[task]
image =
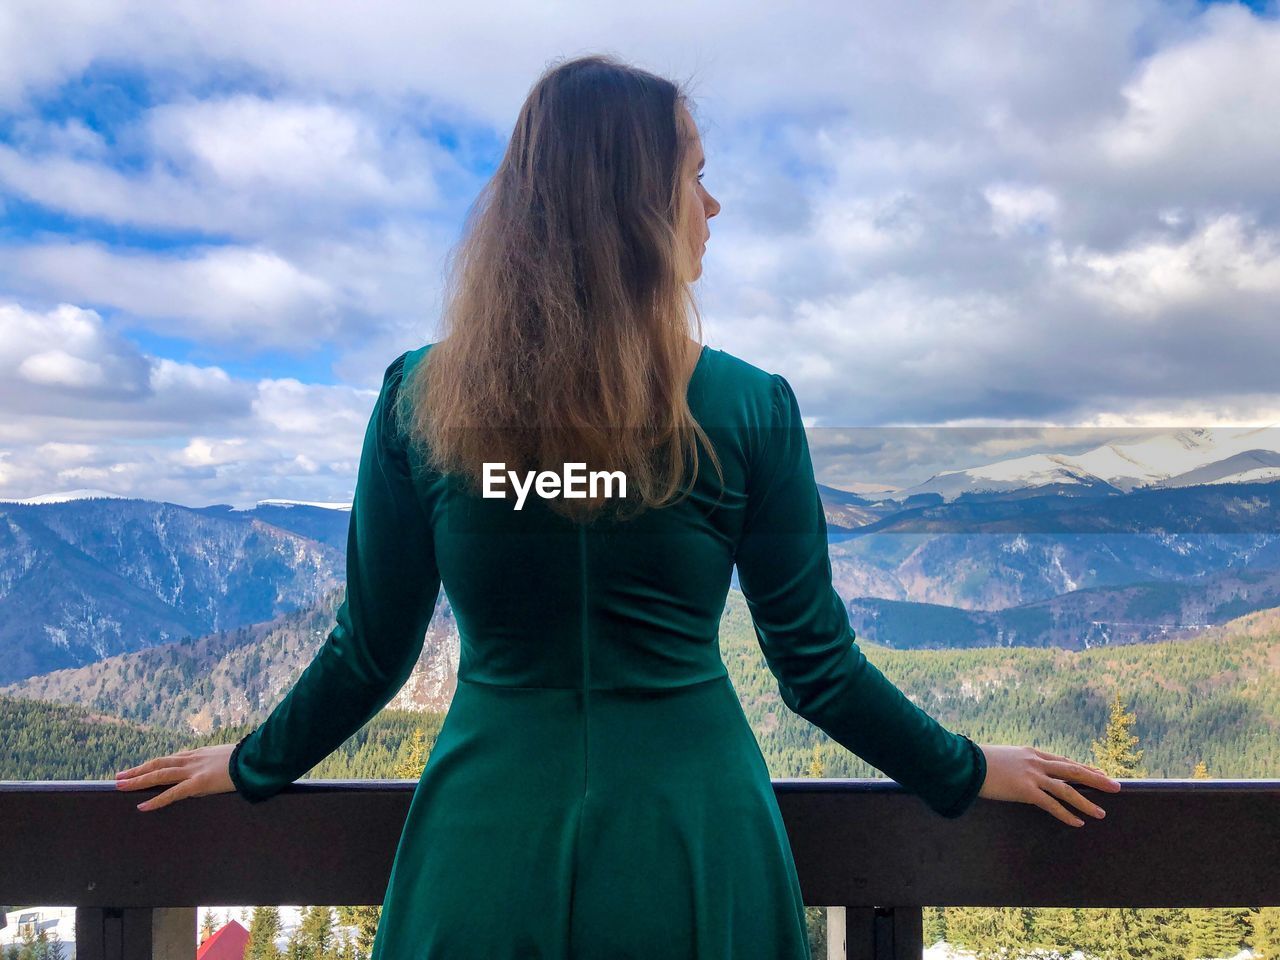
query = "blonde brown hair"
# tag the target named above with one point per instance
(568, 300)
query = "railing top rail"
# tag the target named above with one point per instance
(856, 842)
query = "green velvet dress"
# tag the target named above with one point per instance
(596, 790)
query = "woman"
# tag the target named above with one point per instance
(596, 790)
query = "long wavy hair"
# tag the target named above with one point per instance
(568, 300)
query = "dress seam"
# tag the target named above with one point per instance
(586, 655)
(586, 722)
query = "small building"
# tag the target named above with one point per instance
(228, 942)
(18, 924)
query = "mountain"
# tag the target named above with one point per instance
(1214, 697)
(83, 579)
(232, 677)
(1078, 620)
(1252, 466)
(321, 504)
(324, 523)
(1181, 458)
(83, 493)
(847, 511)
(989, 554)
(995, 571)
(1217, 508)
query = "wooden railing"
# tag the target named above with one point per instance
(868, 850)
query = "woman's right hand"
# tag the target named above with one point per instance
(1028, 775)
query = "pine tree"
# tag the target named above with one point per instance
(1114, 754)
(1239, 921)
(26, 941)
(365, 919)
(1124, 933)
(935, 925)
(991, 933)
(1266, 933)
(1057, 929)
(53, 947)
(264, 928)
(1201, 772)
(43, 945)
(1215, 932)
(347, 948)
(415, 756)
(815, 921)
(1173, 930)
(816, 766)
(209, 926)
(315, 933)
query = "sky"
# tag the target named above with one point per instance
(219, 223)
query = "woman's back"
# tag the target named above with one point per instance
(596, 790)
(541, 601)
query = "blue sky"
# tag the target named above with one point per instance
(217, 229)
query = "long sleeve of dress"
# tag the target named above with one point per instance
(803, 628)
(392, 587)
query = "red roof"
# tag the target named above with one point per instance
(227, 943)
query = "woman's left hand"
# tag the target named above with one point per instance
(193, 773)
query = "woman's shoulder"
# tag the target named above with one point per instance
(410, 358)
(757, 392)
(742, 370)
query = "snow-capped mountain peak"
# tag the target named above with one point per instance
(323, 504)
(83, 493)
(1179, 458)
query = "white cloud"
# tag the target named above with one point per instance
(67, 453)
(1197, 109)
(863, 226)
(174, 431)
(57, 368)
(1016, 207)
(204, 452)
(984, 212)
(68, 352)
(372, 293)
(219, 294)
(312, 149)
(242, 166)
(1226, 263)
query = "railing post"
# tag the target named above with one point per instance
(883, 933)
(860, 933)
(135, 933)
(904, 932)
(173, 933)
(836, 949)
(89, 941)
